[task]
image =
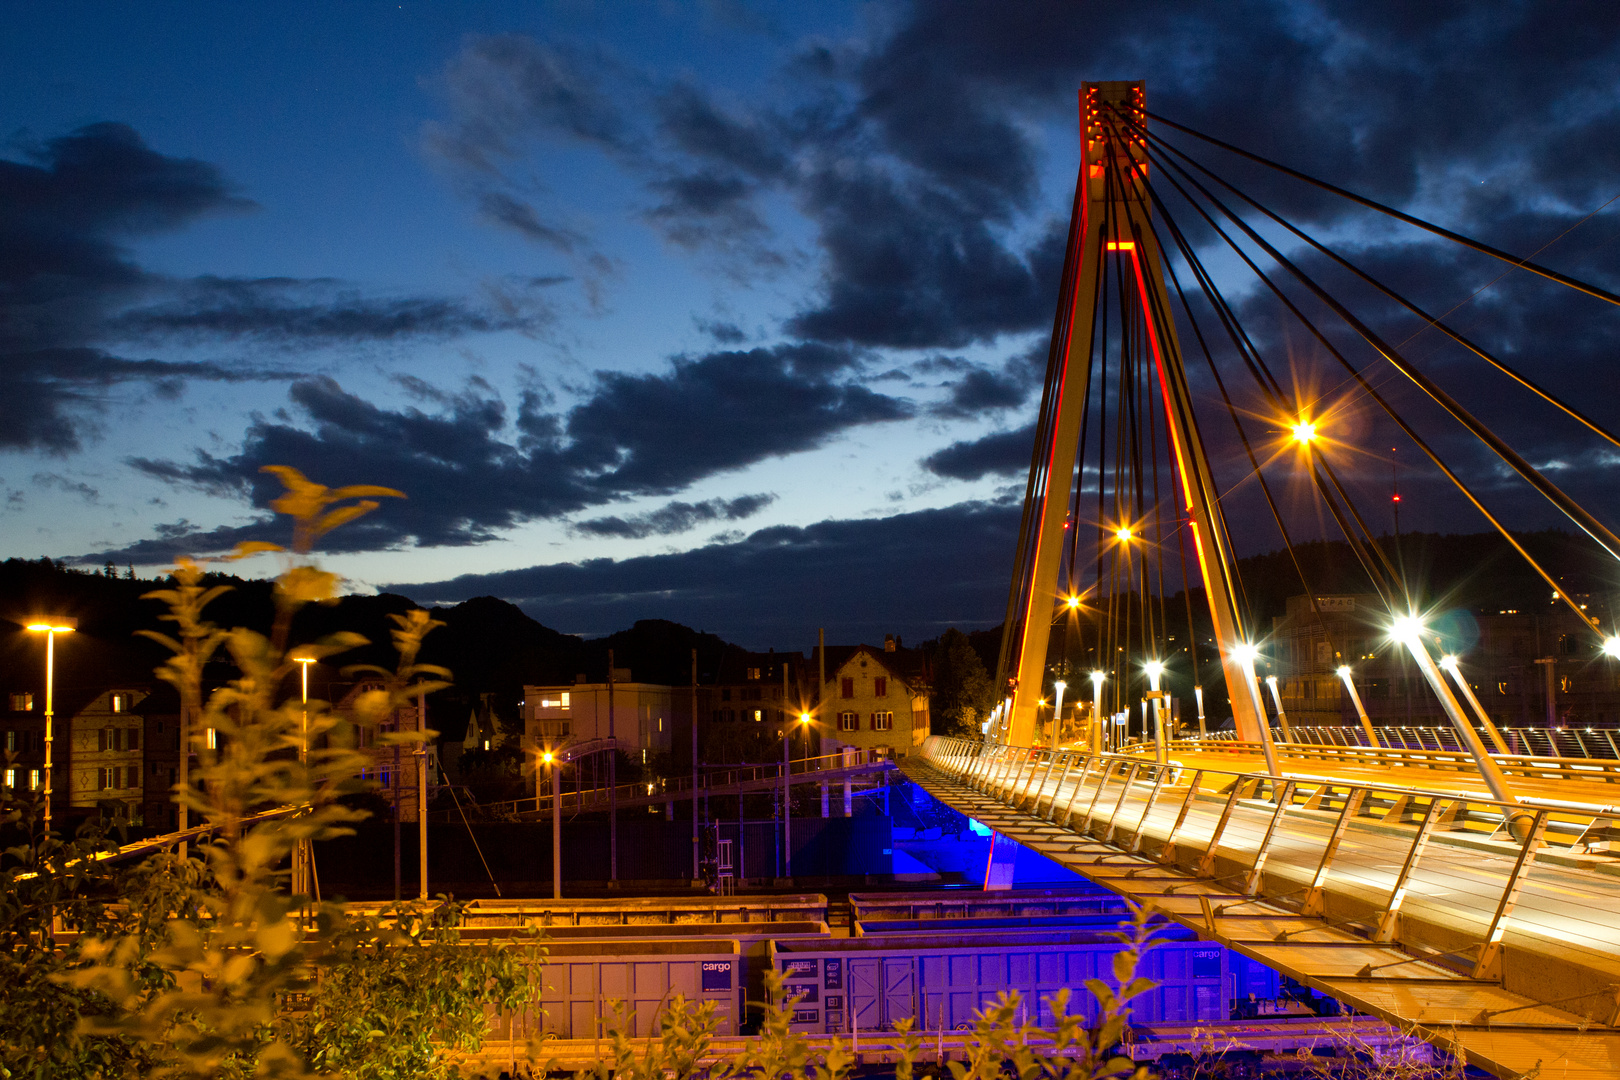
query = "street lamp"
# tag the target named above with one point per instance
(1611, 647)
(1448, 664)
(1408, 630)
(1246, 653)
(549, 760)
(1123, 534)
(1097, 734)
(302, 853)
(1304, 433)
(1057, 710)
(1361, 711)
(1155, 671)
(1282, 717)
(50, 627)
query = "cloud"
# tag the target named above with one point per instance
(287, 310)
(912, 573)
(676, 517)
(72, 300)
(1002, 453)
(471, 470)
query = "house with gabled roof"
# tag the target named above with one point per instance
(875, 700)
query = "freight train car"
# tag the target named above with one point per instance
(870, 983)
(582, 980)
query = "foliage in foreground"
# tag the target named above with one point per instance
(209, 968)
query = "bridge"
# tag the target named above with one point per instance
(1480, 925)
(1460, 881)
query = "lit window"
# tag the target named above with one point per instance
(882, 721)
(118, 703)
(11, 778)
(22, 702)
(211, 738)
(848, 721)
(759, 715)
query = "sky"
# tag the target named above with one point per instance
(729, 313)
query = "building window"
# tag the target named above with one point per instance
(22, 702)
(880, 686)
(883, 721)
(120, 703)
(211, 738)
(132, 740)
(847, 688)
(759, 715)
(11, 745)
(725, 693)
(753, 673)
(848, 721)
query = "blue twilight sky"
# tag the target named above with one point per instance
(732, 313)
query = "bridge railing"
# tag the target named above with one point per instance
(1585, 770)
(591, 799)
(1225, 826)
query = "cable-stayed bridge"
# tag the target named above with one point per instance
(1215, 363)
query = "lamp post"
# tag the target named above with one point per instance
(1155, 669)
(1361, 711)
(301, 853)
(1198, 695)
(1448, 664)
(549, 760)
(50, 628)
(1246, 654)
(1057, 711)
(1282, 716)
(1408, 630)
(1098, 735)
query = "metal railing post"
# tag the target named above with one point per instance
(1489, 964)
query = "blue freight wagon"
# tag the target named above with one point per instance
(870, 983)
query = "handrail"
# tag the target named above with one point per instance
(1017, 777)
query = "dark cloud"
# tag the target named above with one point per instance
(676, 517)
(1004, 453)
(726, 333)
(70, 295)
(467, 478)
(286, 310)
(858, 579)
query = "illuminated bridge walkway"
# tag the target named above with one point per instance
(1396, 887)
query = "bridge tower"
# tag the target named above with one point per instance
(1112, 220)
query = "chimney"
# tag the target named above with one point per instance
(890, 643)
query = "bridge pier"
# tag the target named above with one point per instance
(998, 868)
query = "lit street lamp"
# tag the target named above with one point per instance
(1361, 712)
(1245, 654)
(1282, 717)
(1097, 734)
(1448, 664)
(302, 853)
(1155, 670)
(50, 628)
(1408, 630)
(549, 760)
(1057, 710)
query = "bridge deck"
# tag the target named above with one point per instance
(1550, 996)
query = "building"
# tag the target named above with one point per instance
(1528, 668)
(874, 701)
(389, 765)
(641, 717)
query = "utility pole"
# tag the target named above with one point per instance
(421, 794)
(1548, 665)
(613, 790)
(787, 778)
(555, 767)
(696, 839)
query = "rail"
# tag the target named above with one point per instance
(713, 778)
(1568, 742)
(1459, 914)
(1582, 770)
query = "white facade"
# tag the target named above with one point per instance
(642, 715)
